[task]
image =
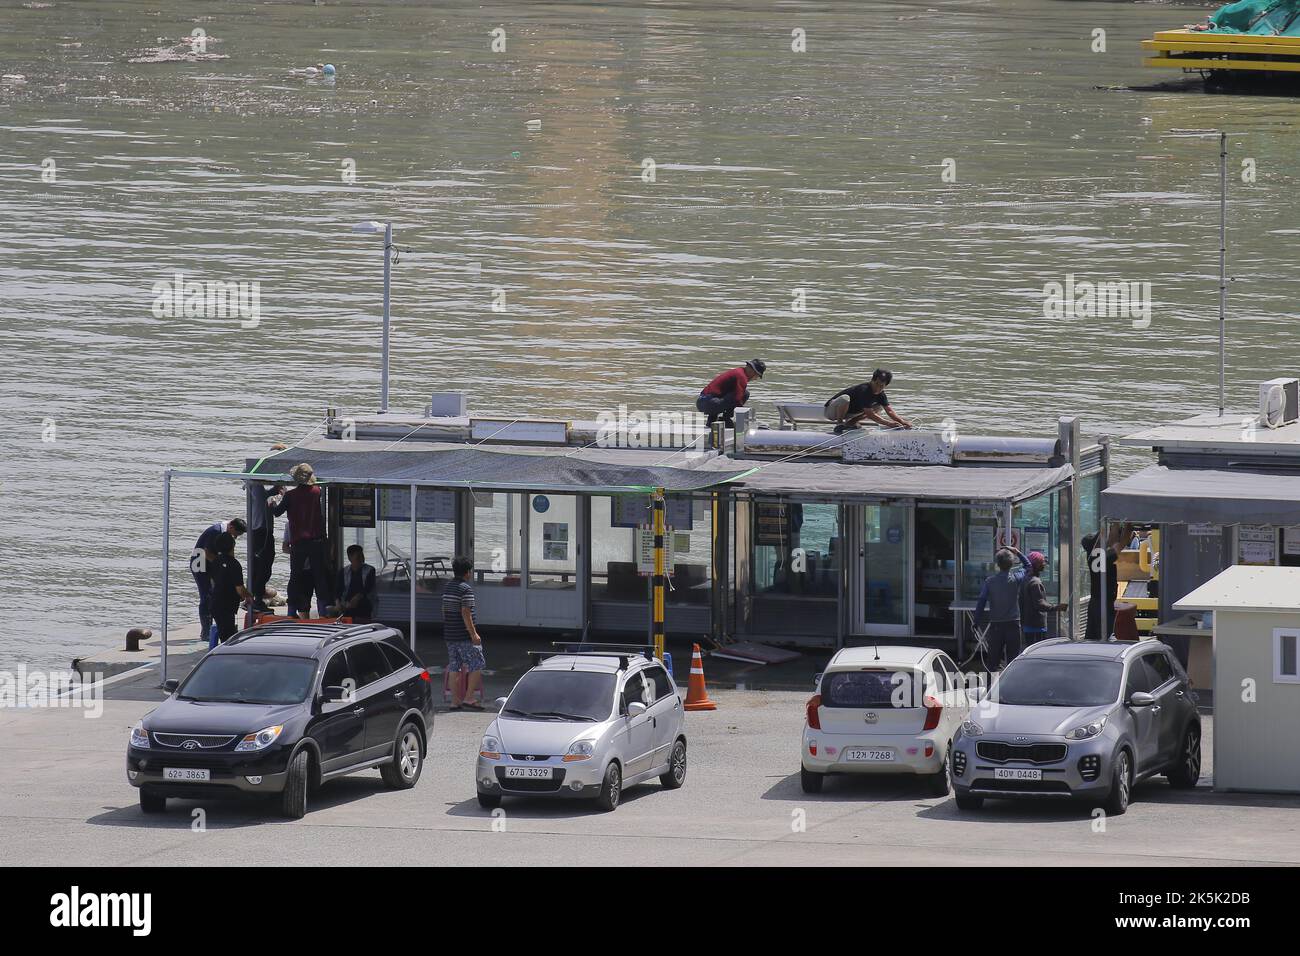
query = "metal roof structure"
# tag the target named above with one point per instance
(1222, 496)
(1246, 588)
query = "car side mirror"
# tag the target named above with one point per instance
(817, 681)
(1141, 699)
(501, 702)
(636, 709)
(170, 685)
(334, 694)
(976, 694)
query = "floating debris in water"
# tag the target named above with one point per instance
(185, 50)
(534, 124)
(14, 78)
(38, 6)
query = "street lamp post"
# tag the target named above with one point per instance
(374, 228)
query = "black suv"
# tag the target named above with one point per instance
(281, 708)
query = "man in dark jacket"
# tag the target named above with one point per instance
(357, 590)
(999, 603)
(227, 576)
(1034, 606)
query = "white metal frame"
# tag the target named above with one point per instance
(1278, 634)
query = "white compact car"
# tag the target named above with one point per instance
(586, 724)
(884, 710)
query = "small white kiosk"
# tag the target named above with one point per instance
(1256, 676)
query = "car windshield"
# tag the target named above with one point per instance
(1058, 683)
(249, 679)
(562, 695)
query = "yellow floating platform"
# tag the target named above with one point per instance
(1199, 50)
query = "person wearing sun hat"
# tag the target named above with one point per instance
(729, 391)
(1034, 606)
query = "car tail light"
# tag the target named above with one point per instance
(813, 720)
(424, 675)
(932, 711)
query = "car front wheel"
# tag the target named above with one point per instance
(969, 801)
(1187, 770)
(293, 802)
(611, 789)
(489, 801)
(152, 802)
(1121, 785)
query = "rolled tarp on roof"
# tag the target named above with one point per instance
(1164, 495)
(459, 466)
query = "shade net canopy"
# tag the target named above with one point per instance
(458, 466)
(1164, 495)
(998, 483)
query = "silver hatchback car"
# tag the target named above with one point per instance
(587, 724)
(1080, 719)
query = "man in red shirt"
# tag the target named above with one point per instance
(308, 560)
(728, 391)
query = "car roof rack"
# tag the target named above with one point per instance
(290, 628)
(624, 652)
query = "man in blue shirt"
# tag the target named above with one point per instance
(999, 603)
(205, 551)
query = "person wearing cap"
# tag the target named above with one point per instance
(1034, 606)
(199, 560)
(729, 391)
(999, 603)
(308, 558)
(860, 401)
(227, 577)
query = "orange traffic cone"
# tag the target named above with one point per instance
(697, 697)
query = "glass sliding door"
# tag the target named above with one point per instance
(887, 567)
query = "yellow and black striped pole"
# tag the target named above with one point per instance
(657, 620)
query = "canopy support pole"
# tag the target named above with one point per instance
(1101, 554)
(166, 559)
(1223, 258)
(657, 621)
(411, 576)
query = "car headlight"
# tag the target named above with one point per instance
(580, 750)
(1087, 730)
(139, 736)
(490, 747)
(260, 740)
(971, 729)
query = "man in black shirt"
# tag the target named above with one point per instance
(227, 577)
(356, 588)
(857, 402)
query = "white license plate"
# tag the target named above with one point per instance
(1016, 773)
(868, 754)
(528, 773)
(186, 773)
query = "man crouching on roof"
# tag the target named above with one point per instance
(729, 391)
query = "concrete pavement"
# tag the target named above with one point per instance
(64, 799)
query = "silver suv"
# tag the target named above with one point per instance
(586, 724)
(1080, 719)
